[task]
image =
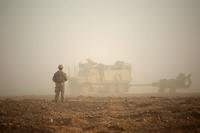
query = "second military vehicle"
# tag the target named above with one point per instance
(94, 77)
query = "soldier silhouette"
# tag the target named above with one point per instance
(59, 78)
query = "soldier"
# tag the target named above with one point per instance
(59, 78)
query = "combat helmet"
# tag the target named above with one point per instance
(60, 67)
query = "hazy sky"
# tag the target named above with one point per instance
(160, 38)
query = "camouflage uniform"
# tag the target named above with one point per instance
(59, 78)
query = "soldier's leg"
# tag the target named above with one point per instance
(62, 94)
(57, 92)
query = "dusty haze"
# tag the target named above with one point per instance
(160, 38)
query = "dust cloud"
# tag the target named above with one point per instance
(132, 66)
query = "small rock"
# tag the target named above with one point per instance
(51, 120)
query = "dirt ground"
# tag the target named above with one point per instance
(142, 114)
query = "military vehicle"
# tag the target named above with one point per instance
(94, 77)
(180, 82)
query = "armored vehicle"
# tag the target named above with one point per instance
(94, 77)
(182, 81)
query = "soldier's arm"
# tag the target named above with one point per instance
(54, 78)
